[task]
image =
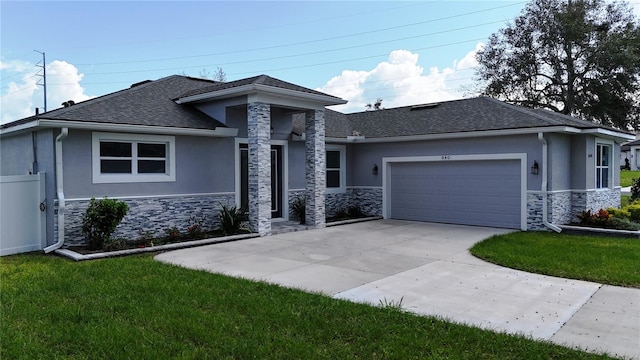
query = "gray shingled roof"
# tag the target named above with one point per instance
(465, 115)
(152, 104)
(336, 124)
(260, 79)
(149, 104)
(627, 146)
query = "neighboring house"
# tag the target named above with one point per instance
(631, 151)
(179, 147)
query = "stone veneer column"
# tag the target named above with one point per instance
(315, 171)
(259, 125)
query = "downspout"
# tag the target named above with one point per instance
(545, 197)
(60, 192)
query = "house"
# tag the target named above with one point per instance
(179, 147)
(630, 151)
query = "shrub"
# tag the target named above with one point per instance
(101, 219)
(634, 211)
(635, 190)
(298, 208)
(195, 229)
(597, 219)
(355, 211)
(341, 214)
(619, 213)
(172, 234)
(232, 220)
(623, 224)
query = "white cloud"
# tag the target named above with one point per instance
(21, 94)
(401, 81)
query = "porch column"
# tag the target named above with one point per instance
(259, 125)
(315, 170)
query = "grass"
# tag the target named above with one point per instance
(605, 260)
(626, 177)
(136, 308)
(624, 200)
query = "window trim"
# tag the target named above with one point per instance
(343, 160)
(610, 167)
(134, 139)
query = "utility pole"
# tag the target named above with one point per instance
(44, 77)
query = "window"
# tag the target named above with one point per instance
(119, 158)
(335, 168)
(603, 165)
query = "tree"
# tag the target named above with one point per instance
(218, 75)
(580, 58)
(375, 106)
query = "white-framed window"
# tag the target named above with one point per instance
(123, 158)
(604, 159)
(335, 168)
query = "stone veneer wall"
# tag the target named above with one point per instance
(258, 129)
(594, 200)
(534, 211)
(149, 214)
(368, 199)
(564, 207)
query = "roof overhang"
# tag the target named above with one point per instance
(609, 134)
(269, 91)
(140, 129)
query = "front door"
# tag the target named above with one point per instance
(276, 179)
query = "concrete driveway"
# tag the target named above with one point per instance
(427, 267)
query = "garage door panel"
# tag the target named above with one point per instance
(483, 193)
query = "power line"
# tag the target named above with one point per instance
(309, 41)
(301, 54)
(295, 67)
(16, 74)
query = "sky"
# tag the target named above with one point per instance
(404, 53)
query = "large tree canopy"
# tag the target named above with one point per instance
(580, 58)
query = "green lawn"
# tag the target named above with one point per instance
(627, 176)
(624, 200)
(606, 260)
(136, 308)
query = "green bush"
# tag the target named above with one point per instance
(635, 190)
(355, 211)
(299, 208)
(622, 224)
(173, 234)
(232, 220)
(619, 213)
(194, 230)
(634, 211)
(101, 219)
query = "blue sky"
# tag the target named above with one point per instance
(402, 52)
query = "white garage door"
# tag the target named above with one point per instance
(485, 193)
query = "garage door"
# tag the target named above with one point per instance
(485, 193)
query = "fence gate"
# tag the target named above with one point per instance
(22, 217)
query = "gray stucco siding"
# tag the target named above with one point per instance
(201, 167)
(16, 154)
(297, 165)
(364, 156)
(16, 158)
(559, 160)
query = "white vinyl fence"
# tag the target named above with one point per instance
(22, 213)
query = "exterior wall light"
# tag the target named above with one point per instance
(535, 168)
(374, 171)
